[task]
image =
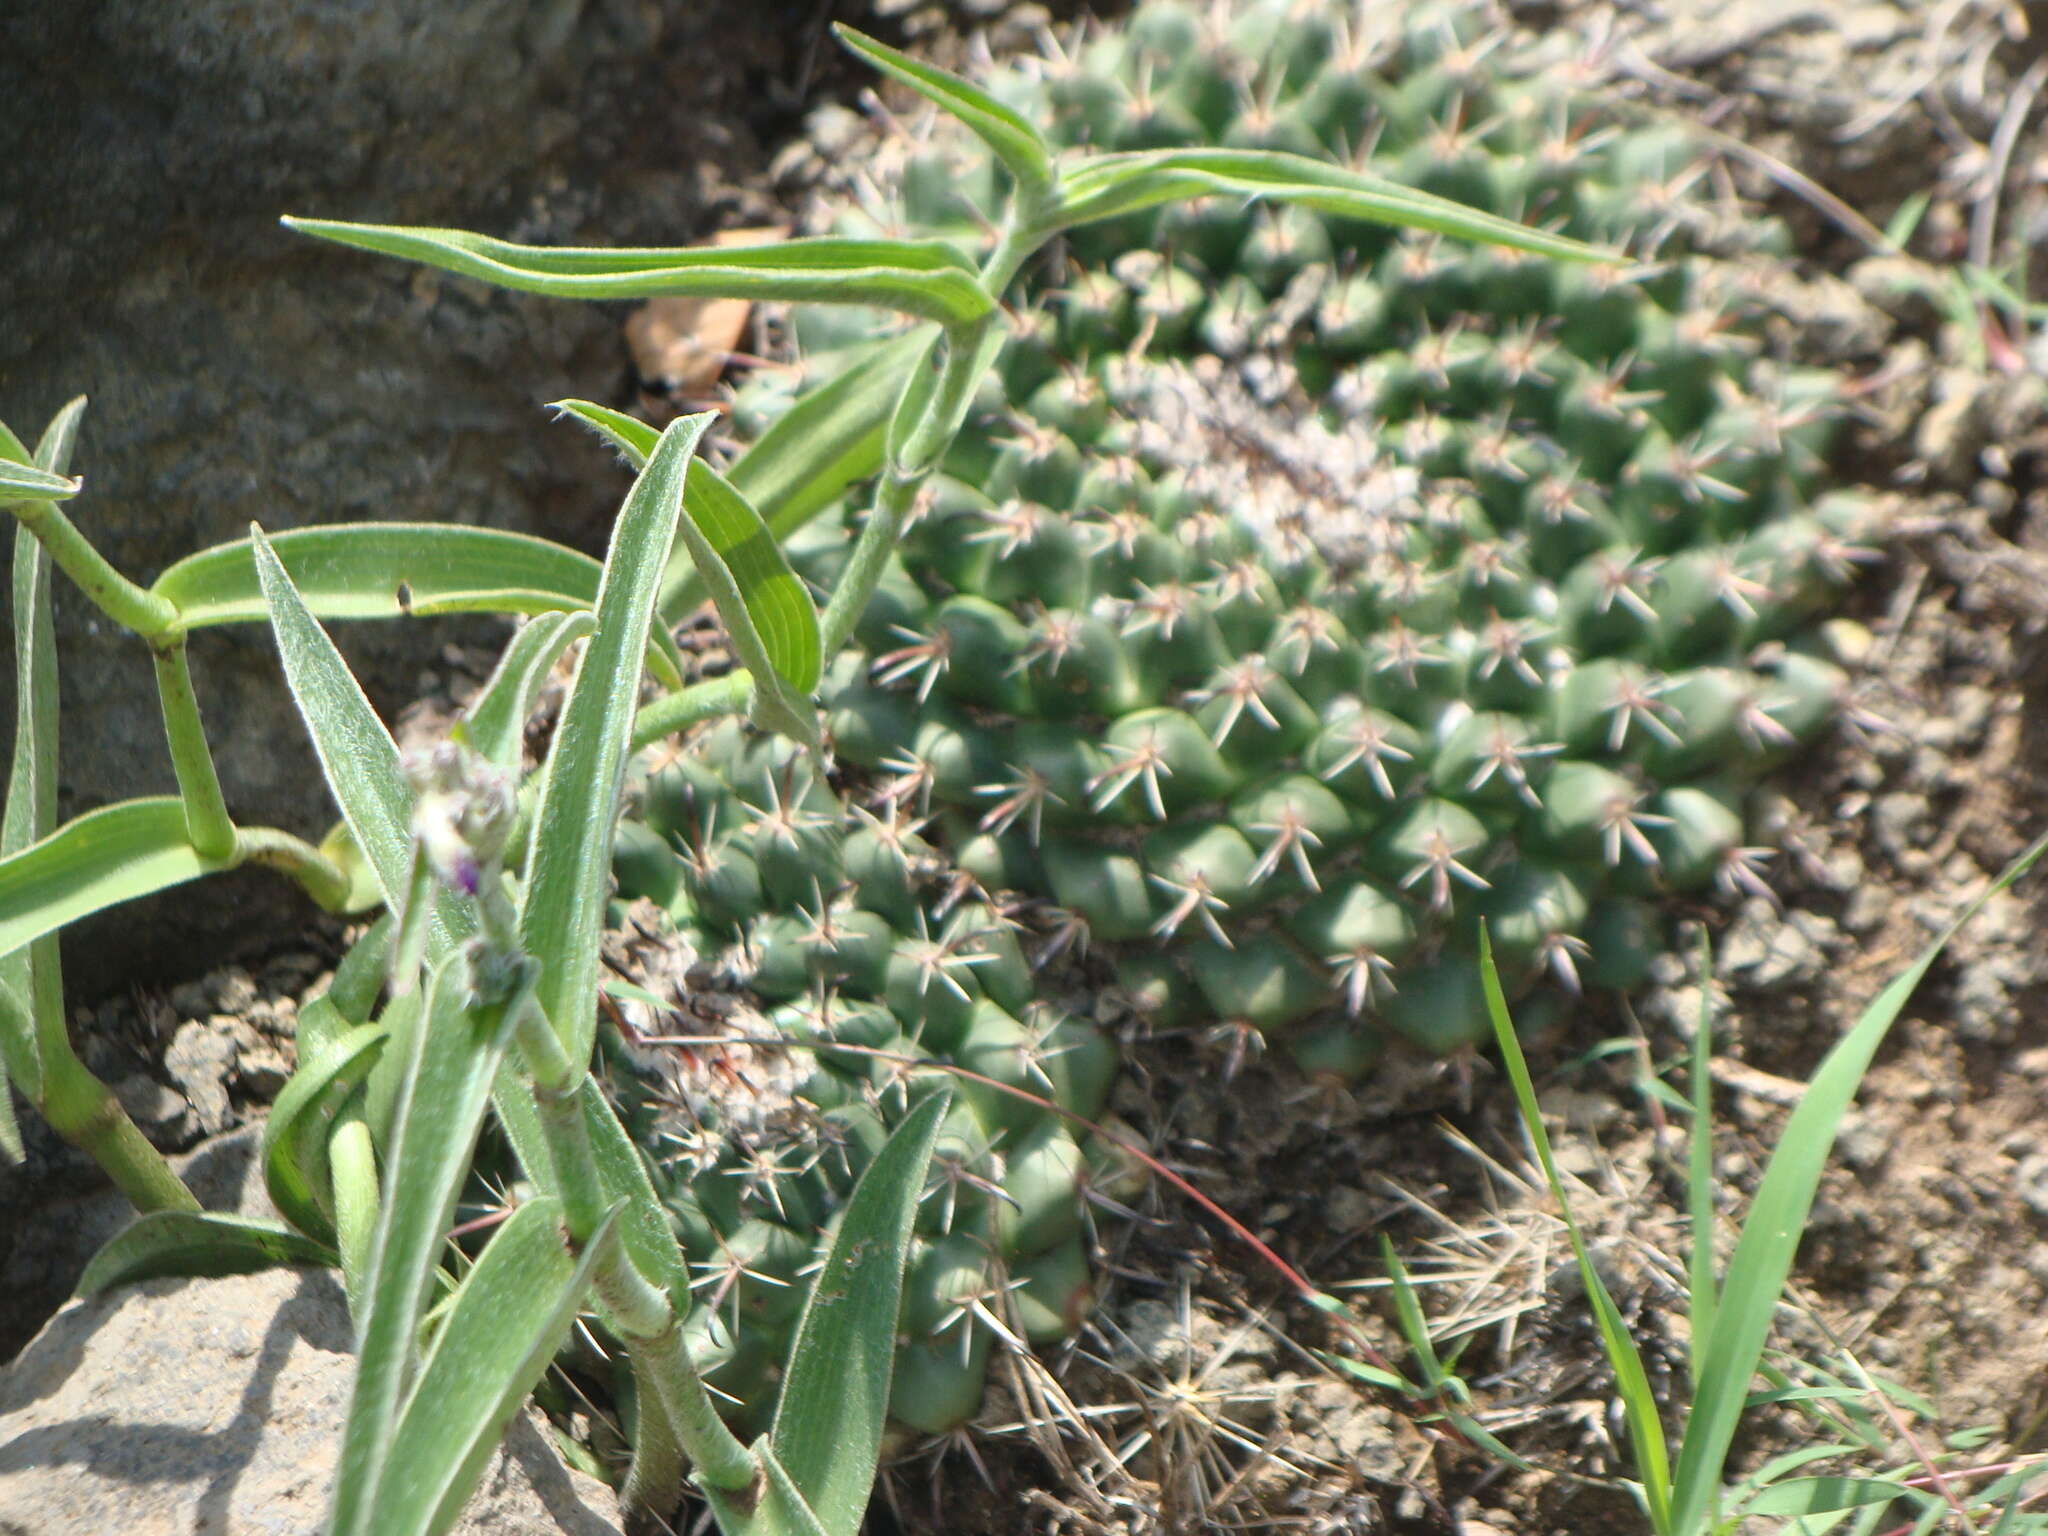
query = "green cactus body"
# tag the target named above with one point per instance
(1332, 590)
(1307, 596)
(775, 1029)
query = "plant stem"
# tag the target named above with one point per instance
(878, 537)
(642, 1313)
(113, 594)
(672, 712)
(207, 823)
(317, 875)
(654, 1482)
(83, 1110)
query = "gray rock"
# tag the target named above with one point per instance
(178, 1406)
(44, 1247)
(239, 372)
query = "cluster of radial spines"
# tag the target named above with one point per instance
(1501, 597)
(846, 935)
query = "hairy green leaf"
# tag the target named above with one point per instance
(828, 440)
(835, 1397)
(1013, 140)
(509, 1316)
(632, 438)
(382, 571)
(454, 1055)
(34, 971)
(927, 278)
(295, 1132)
(781, 1509)
(357, 755)
(25, 482)
(1109, 185)
(203, 1243)
(724, 531)
(494, 724)
(735, 555)
(98, 860)
(568, 866)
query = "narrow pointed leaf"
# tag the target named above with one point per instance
(831, 438)
(927, 278)
(835, 1397)
(509, 1316)
(1823, 1495)
(569, 863)
(621, 1172)
(362, 771)
(724, 533)
(34, 970)
(455, 1053)
(98, 860)
(25, 482)
(201, 1243)
(734, 553)
(494, 724)
(632, 438)
(357, 755)
(295, 1131)
(1115, 184)
(1012, 139)
(1757, 1269)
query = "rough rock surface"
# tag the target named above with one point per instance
(181, 1406)
(238, 372)
(44, 1248)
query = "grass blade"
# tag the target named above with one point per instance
(926, 278)
(202, 1243)
(1801, 1496)
(1126, 183)
(454, 1055)
(1013, 140)
(509, 1316)
(569, 865)
(1639, 1403)
(1701, 1277)
(1763, 1255)
(835, 1397)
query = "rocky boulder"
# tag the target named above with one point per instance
(180, 1406)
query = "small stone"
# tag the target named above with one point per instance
(149, 1103)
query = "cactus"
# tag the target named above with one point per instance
(819, 955)
(1311, 593)
(1299, 597)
